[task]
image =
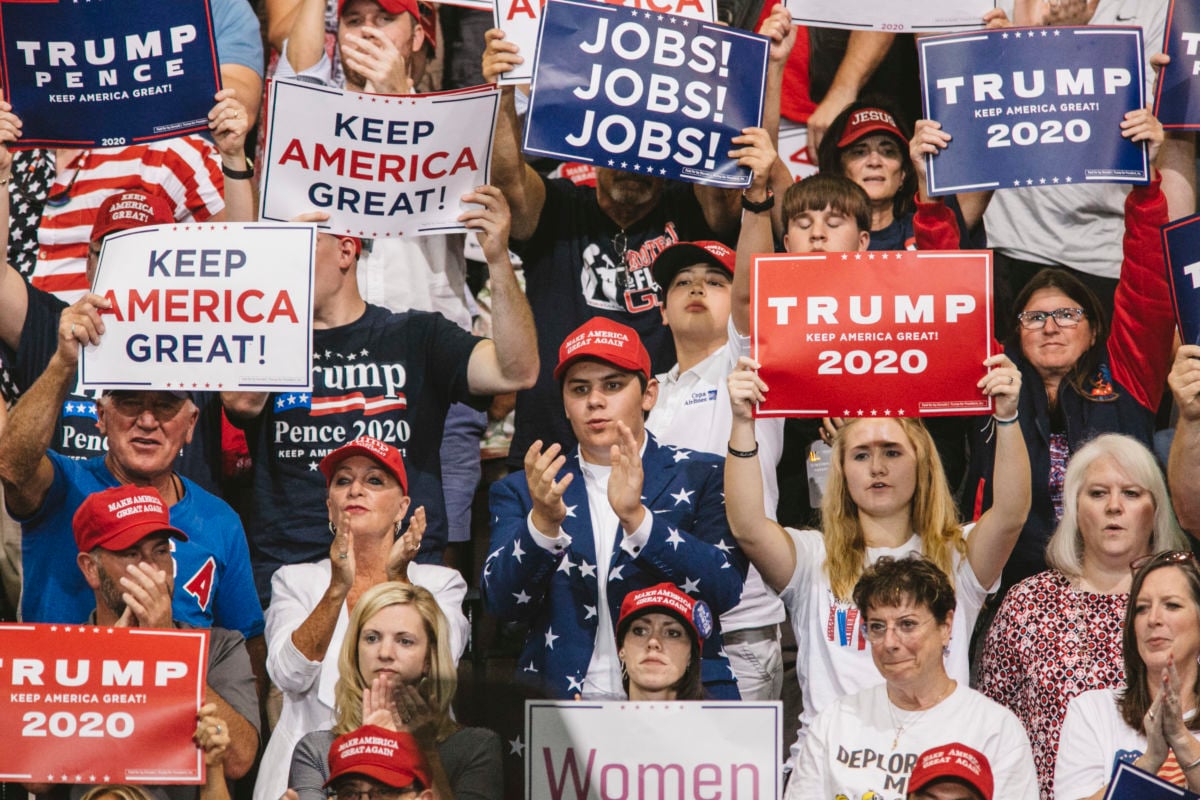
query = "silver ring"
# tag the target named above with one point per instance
(218, 729)
(1010, 380)
(72, 328)
(341, 555)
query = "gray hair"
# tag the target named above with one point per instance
(1064, 552)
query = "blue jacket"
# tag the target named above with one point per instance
(555, 594)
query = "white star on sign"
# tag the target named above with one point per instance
(691, 586)
(673, 538)
(683, 496)
(516, 748)
(550, 637)
(521, 597)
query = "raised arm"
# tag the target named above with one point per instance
(1183, 470)
(24, 468)
(229, 122)
(865, 51)
(767, 545)
(306, 36)
(509, 360)
(757, 153)
(929, 140)
(995, 535)
(520, 183)
(779, 29)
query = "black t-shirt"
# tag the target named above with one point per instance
(76, 434)
(573, 272)
(390, 376)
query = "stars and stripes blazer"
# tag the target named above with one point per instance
(556, 593)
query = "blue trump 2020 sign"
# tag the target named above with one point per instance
(108, 72)
(1034, 107)
(1177, 97)
(1181, 244)
(644, 92)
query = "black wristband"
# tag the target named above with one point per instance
(743, 453)
(238, 174)
(758, 208)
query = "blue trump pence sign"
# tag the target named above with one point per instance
(1034, 107)
(1177, 97)
(108, 72)
(644, 92)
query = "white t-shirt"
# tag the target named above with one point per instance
(692, 413)
(833, 657)
(848, 751)
(1093, 733)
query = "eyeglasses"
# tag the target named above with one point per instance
(374, 793)
(164, 407)
(1167, 557)
(905, 629)
(1063, 318)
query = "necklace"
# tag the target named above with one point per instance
(913, 720)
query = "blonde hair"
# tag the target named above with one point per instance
(438, 684)
(1064, 551)
(931, 509)
(122, 791)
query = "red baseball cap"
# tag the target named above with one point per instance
(953, 761)
(666, 598)
(869, 120)
(132, 208)
(604, 340)
(387, 456)
(120, 517)
(686, 254)
(392, 7)
(390, 757)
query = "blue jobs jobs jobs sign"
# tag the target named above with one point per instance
(643, 92)
(108, 72)
(1177, 98)
(1181, 244)
(1034, 107)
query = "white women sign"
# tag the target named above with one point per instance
(217, 307)
(580, 750)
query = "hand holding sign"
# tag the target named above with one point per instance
(1140, 125)
(928, 140)
(1054, 12)
(1185, 381)
(80, 324)
(212, 735)
(229, 123)
(10, 131)
(758, 155)
(746, 389)
(1002, 384)
(499, 56)
(491, 221)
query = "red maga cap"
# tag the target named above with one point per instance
(869, 120)
(390, 757)
(392, 7)
(387, 456)
(953, 761)
(667, 598)
(131, 208)
(604, 340)
(687, 254)
(120, 517)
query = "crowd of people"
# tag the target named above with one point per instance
(998, 606)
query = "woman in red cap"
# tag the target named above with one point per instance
(311, 603)
(397, 673)
(659, 634)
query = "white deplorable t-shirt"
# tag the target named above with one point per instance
(849, 751)
(833, 657)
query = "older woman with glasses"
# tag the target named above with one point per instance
(1083, 378)
(1058, 634)
(866, 744)
(1153, 721)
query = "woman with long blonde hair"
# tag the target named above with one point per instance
(887, 496)
(397, 672)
